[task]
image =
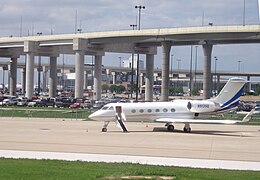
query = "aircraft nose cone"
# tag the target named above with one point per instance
(91, 116)
(94, 116)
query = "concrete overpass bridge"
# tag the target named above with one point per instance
(137, 41)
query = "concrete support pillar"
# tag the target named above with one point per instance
(141, 79)
(166, 48)
(207, 50)
(97, 77)
(85, 79)
(53, 77)
(44, 78)
(248, 84)
(29, 75)
(13, 76)
(113, 77)
(79, 74)
(218, 81)
(23, 80)
(108, 76)
(149, 78)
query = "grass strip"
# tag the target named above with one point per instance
(54, 169)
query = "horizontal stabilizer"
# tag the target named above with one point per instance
(248, 116)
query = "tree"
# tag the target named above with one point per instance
(257, 91)
(120, 89)
(113, 88)
(195, 91)
(105, 87)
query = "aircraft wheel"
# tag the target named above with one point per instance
(187, 130)
(170, 128)
(104, 130)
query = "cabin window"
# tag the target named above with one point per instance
(157, 110)
(141, 110)
(133, 111)
(165, 110)
(111, 108)
(172, 110)
(149, 110)
(105, 108)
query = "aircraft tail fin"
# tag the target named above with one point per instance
(229, 96)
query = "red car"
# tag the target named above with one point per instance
(75, 105)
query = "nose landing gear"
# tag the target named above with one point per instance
(104, 129)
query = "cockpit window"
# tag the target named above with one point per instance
(105, 108)
(111, 108)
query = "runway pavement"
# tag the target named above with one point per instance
(207, 142)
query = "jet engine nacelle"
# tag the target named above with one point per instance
(202, 106)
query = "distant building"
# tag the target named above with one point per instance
(128, 63)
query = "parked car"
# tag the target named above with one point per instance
(87, 104)
(257, 110)
(10, 102)
(74, 105)
(36, 103)
(64, 102)
(22, 102)
(98, 104)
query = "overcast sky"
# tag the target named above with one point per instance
(58, 16)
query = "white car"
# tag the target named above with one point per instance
(257, 110)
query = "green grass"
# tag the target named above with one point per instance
(44, 112)
(52, 169)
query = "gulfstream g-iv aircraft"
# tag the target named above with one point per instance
(176, 111)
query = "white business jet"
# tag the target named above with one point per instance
(176, 111)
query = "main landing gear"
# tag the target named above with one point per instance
(170, 127)
(187, 128)
(104, 129)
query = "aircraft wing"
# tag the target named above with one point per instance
(206, 121)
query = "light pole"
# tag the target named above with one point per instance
(39, 70)
(216, 59)
(239, 65)
(120, 61)
(132, 65)
(79, 29)
(139, 15)
(137, 66)
(178, 62)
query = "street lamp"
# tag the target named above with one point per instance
(132, 65)
(133, 26)
(239, 65)
(139, 15)
(137, 67)
(178, 61)
(120, 61)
